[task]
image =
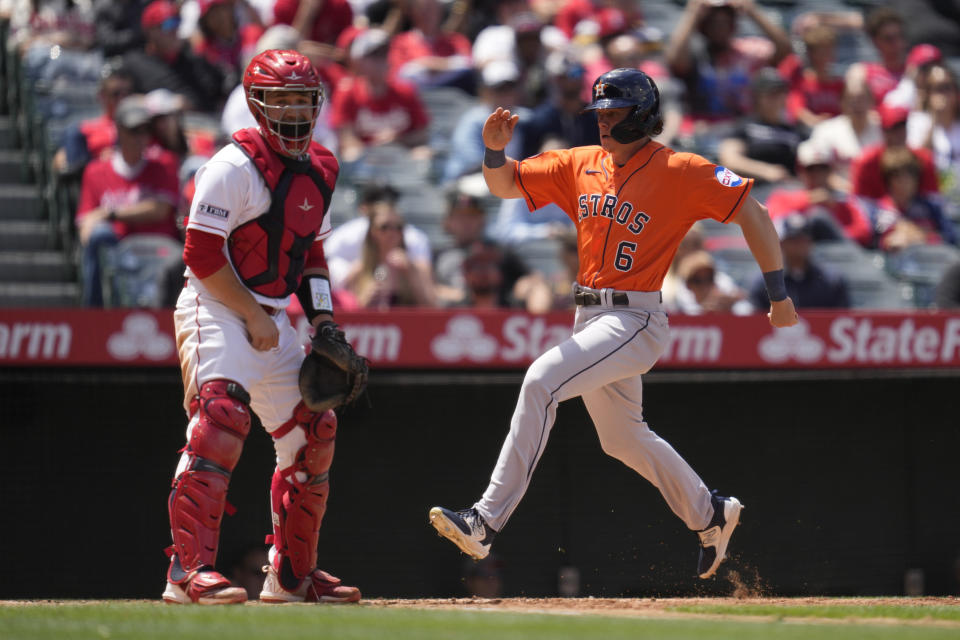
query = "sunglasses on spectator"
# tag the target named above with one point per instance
(700, 279)
(943, 87)
(142, 130)
(389, 227)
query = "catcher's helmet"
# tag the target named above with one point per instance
(629, 88)
(277, 70)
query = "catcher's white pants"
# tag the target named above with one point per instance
(212, 343)
(602, 362)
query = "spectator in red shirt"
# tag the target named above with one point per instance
(833, 215)
(574, 12)
(905, 216)
(886, 30)
(91, 138)
(867, 174)
(221, 41)
(317, 20)
(371, 108)
(122, 194)
(815, 92)
(428, 55)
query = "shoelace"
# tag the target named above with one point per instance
(473, 521)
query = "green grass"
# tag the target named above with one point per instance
(148, 621)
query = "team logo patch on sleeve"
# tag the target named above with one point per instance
(727, 178)
(210, 210)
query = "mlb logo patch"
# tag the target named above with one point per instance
(210, 210)
(727, 178)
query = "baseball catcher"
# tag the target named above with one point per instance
(253, 238)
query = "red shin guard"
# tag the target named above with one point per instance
(199, 493)
(298, 506)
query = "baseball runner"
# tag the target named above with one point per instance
(632, 200)
(253, 238)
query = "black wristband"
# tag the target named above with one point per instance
(314, 295)
(494, 158)
(776, 287)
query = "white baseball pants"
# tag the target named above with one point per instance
(602, 362)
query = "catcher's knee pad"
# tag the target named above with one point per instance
(299, 497)
(199, 495)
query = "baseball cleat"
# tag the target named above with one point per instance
(205, 587)
(466, 529)
(319, 586)
(715, 538)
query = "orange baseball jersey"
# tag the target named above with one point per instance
(630, 219)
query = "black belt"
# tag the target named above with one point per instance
(589, 298)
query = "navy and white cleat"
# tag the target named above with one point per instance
(715, 538)
(465, 528)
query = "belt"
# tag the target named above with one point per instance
(589, 298)
(586, 297)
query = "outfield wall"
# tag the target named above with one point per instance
(849, 479)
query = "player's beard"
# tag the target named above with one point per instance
(295, 130)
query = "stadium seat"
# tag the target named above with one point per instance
(922, 266)
(135, 270)
(872, 288)
(738, 263)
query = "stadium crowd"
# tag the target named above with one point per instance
(846, 115)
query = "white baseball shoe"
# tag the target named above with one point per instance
(715, 538)
(466, 529)
(205, 587)
(319, 586)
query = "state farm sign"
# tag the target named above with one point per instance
(488, 339)
(866, 341)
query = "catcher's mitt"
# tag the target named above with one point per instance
(332, 374)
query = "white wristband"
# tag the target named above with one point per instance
(320, 297)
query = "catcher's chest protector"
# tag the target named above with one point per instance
(269, 251)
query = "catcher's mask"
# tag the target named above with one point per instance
(287, 128)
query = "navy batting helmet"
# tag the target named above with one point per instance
(629, 88)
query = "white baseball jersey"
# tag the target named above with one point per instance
(230, 193)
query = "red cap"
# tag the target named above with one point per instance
(923, 54)
(891, 116)
(157, 13)
(206, 5)
(612, 22)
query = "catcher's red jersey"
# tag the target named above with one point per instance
(630, 219)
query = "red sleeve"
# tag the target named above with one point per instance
(928, 173)
(341, 109)
(865, 177)
(315, 257)
(284, 11)
(462, 45)
(401, 51)
(203, 253)
(782, 202)
(854, 221)
(796, 100)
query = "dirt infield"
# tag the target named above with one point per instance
(668, 607)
